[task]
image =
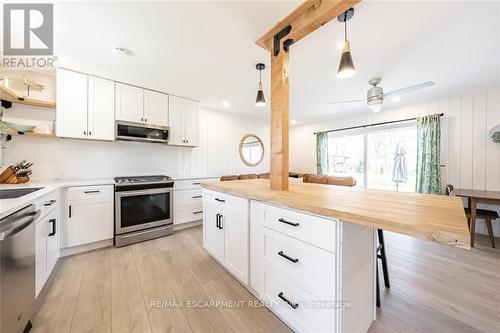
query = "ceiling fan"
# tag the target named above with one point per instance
(375, 96)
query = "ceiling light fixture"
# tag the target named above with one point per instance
(346, 66)
(123, 51)
(260, 100)
(226, 104)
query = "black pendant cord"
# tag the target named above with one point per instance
(345, 26)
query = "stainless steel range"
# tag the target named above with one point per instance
(143, 208)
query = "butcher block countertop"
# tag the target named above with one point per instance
(435, 217)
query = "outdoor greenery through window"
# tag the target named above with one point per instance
(382, 159)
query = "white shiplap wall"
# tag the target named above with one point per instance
(471, 159)
(220, 134)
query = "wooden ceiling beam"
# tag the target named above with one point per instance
(307, 17)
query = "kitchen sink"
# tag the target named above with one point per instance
(17, 193)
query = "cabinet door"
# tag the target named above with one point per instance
(236, 245)
(52, 232)
(191, 122)
(101, 109)
(213, 237)
(129, 103)
(40, 254)
(176, 121)
(155, 108)
(89, 221)
(71, 109)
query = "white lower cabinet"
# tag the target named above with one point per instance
(89, 214)
(188, 206)
(46, 239)
(316, 274)
(225, 232)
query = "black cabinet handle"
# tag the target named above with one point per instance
(69, 211)
(293, 305)
(53, 232)
(50, 203)
(196, 196)
(220, 200)
(198, 212)
(289, 223)
(217, 221)
(196, 183)
(294, 260)
(89, 192)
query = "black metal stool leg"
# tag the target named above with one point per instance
(383, 257)
(378, 289)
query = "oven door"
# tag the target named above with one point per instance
(141, 209)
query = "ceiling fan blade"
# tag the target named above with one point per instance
(414, 87)
(348, 102)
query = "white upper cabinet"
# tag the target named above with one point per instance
(101, 115)
(183, 121)
(155, 108)
(85, 106)
(71, 110)
(129, 103)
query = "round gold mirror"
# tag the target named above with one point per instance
(251, 150)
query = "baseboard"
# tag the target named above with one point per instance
(69, 251)
(178, 227)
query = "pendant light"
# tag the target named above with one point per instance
(346, 66)
(260, 100)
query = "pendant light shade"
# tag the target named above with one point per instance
(346, 67)
(260, 100)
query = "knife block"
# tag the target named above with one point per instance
(8, 176)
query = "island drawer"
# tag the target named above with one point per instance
(311, 229)
(301, 310)
(226, 201)
(310, 267)
(192, 184)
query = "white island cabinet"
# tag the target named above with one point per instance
(315, 273)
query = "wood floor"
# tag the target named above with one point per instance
(434, 289)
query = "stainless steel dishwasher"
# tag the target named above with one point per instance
(17, 270)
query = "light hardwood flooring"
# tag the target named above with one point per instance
(434, 289)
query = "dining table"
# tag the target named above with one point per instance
(475, 197)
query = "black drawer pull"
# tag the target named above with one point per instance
(293, 305)
(220, 200)
(196, 183)
(196, 196)
(198, 212)
(89, 192)
(53, 232)
(50, 203)
(220, 222)
(295, 224)
(287, 257)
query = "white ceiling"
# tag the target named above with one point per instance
(206, 51)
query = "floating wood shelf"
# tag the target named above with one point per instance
(7, 94)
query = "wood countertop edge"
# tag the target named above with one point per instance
(457, 238)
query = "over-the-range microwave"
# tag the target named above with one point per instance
(130, 131)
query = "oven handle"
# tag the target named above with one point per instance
(144, 192)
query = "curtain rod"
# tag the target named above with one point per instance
(374, 124)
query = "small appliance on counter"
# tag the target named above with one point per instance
(17, 174)
(143, 208)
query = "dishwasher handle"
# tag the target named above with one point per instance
(19, 224)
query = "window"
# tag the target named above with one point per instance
(370, 157)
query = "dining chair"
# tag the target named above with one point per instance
(485, 214)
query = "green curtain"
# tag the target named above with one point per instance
(322, 153)
(428, 154)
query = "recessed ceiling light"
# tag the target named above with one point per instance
(226, 104)
(123, 51)
(396, 99)
(293, 122)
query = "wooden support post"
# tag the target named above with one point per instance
(279, 121)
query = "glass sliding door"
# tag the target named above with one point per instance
(346, 156)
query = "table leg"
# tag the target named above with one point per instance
(472, 206)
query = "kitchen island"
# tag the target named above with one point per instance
(309, 253)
